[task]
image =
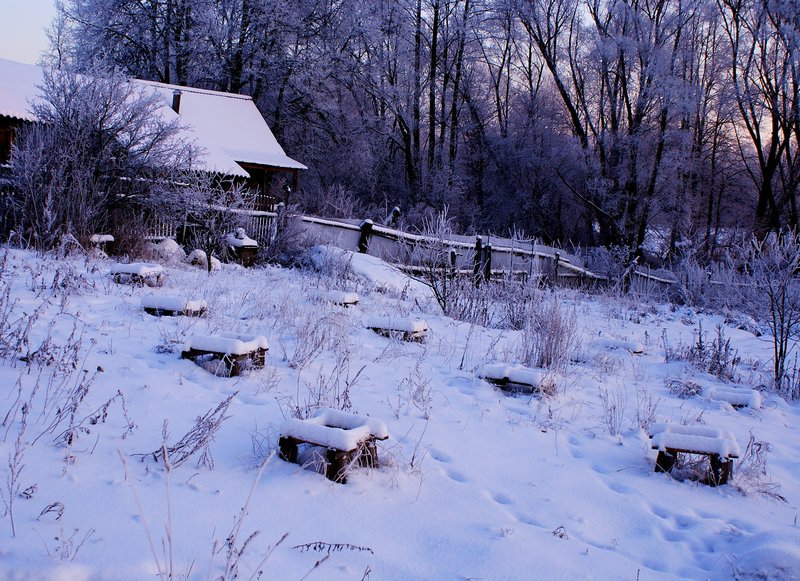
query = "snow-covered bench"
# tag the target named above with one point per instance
(236, 352)
(347, 437)
(516, 378)
(340, 298)
(407, 329)
(737, 397)
(720, 447)
(159, 305)
(143, 273)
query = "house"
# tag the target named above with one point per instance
(232, 136)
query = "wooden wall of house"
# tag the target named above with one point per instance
(267, 182)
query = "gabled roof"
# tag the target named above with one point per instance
(227, 128)
(17, 87)
(230, 121)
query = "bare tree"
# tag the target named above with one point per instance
(101, 153)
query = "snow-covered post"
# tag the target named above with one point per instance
(366, 234)
(453, 256)
(476, 267)
(392, 217)
(487, 262)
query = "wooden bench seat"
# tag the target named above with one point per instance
(236, 352)
(171, 306)
(140, 273)
(720, 447)
(737, 397)
(348, 438)
(517, 378)
(404, 328)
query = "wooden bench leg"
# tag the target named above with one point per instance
(288, 449)
(369, 454)
(337, 466)
(665, 461)
(721, 470)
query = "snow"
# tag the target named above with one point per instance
(335, 429)
(514, 373)
(736, 396)
(18, 87)
(226, 128)
(101, 238)
(703, 444)
(230, 343)
(338, 297)
(238, 239)
(473, 483)
(230, 122)
(378, 273)
(199, 257)
(173, 303)
(137, 268)
(396, 324)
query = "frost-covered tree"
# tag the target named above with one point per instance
(99, 156)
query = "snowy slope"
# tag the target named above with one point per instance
(473, 483)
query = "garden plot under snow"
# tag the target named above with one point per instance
(473, 483)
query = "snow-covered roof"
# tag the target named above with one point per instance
(227, 128)
(18, 86)
(232, 122)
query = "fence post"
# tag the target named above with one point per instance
(452, 263)
(556, 260)
(487, 262)
(392, 218)
(476, 266)
(366, 233)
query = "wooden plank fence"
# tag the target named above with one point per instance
(483, 256)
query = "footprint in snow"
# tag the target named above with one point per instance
(440, 456)
(501, 498)
(456, 476)
(620, 488)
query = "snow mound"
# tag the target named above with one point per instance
(382, 275)
(200, 258)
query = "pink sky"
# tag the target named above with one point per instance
(22, 28)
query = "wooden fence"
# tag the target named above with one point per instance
(483, 256)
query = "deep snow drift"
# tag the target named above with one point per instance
(473, 483)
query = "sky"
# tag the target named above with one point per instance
(22, 28)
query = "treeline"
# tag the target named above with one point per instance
(583, 121)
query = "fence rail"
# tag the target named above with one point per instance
(486, 256)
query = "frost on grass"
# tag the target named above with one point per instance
(198, 439)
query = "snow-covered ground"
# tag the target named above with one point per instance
(473, 483)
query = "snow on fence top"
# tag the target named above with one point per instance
(335, 429)
(736, 396)
(230, 343)
(137, 268)
(172, 303)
